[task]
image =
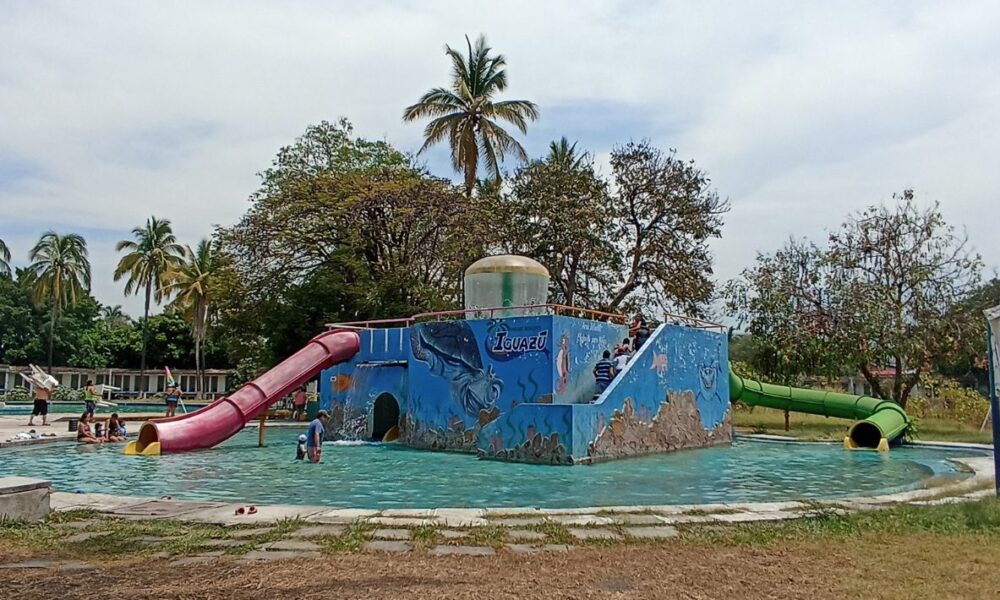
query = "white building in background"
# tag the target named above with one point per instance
(125, 379)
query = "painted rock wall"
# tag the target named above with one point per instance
(672, 395)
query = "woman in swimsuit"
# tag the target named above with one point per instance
(114, 433)
(83, 433)
(173, 397)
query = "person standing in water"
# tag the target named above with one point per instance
(315, 435)
(173, 393)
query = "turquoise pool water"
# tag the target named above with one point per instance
(391, 476)
(77, 408)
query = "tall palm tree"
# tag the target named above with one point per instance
(467, 115)
(563, 153)
(114, 316)
(60, 271)
(4, 260)
(151, 257)
(193, 281)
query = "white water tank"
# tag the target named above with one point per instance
(506, 280)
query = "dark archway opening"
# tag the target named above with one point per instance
(385, 416)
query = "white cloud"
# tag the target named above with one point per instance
(800, 113)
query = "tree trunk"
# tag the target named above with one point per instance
(873, 381)
(52, 334)
(145, 329)
(197, 366)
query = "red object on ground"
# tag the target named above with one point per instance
(220, 420)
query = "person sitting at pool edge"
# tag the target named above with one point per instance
(604, 371)
(84, 434)
(41, 406)
(173, 393)
(116, 429)
(314, 436)
(300, 449)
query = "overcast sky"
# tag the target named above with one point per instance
(113, 111)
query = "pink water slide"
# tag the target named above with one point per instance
(220, 420)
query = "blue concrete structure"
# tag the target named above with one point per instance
(522, 389)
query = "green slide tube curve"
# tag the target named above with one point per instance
(877, 422)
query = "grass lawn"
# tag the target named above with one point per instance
(949, 551)
(812, 427)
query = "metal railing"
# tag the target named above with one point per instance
(492, 312)
(692, 322)
(555, 309)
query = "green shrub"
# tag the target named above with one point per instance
(946, 399)
(67, 394)
(18, 394)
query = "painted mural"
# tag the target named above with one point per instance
(671, 395)
(677, 425)
(521, 389)
(464, 375)
(348, 390)
(581, 342)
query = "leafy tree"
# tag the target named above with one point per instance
(342, 228)
(170, 343)
(147, 266)
(639, 240)
(61, 273)
(665, 212)
(466, 115)
(18, 331)
(557, 213)
(4, 260)
(193, 282)
(882, 291)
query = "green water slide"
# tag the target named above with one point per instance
(877, 422)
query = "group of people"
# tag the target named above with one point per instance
(608, 368)
(114, 430)
(310, 443)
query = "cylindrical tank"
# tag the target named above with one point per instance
(506, 280)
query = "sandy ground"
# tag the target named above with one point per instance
(905, 567)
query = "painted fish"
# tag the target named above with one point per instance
(341, 382)
(450, 350)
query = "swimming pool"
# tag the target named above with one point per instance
(24, 408)
(392, 476)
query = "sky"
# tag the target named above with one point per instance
(799, 112)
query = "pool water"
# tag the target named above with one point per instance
(22, 408)
(392, 476)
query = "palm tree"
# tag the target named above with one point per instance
(4, 260)
(563, 153)
(193, 282)
(467, 115)
(60, 272)
(148, 265)
(113, 316)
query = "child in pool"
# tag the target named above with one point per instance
(300, 450)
